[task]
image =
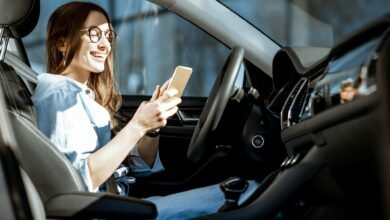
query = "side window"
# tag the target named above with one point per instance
(151, 42)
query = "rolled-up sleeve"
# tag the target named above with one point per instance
(81, 165)
(140, 168)
(63, 120)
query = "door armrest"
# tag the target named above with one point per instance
(83, 205)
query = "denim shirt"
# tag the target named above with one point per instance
(70, 117)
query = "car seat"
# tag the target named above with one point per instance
(59, 185)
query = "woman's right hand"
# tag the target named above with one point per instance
(152, 115)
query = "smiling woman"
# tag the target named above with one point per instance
(76, 102)
(93, 51)
(150, 43)
(70, 52)
(305, 122)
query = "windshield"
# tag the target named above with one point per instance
(320, 23)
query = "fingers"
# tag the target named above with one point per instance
(166, 84)
(161, 111)
(162, 118)
(156, 93)
(154, 114)
(166, 114)
(167, 104)
(168, 94)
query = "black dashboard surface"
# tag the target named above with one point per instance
(347, 74)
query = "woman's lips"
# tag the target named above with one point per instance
(99, 56)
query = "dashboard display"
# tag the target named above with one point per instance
(351, 75)
(345, 79)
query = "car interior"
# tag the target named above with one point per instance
(310, 124)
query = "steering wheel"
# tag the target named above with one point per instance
(215, 104)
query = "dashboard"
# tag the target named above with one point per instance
(330, 108)
(345, 74)
(344, 79)
(312, 101)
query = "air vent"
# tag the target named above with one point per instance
(292, 108)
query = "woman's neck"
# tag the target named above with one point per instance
(79, 76)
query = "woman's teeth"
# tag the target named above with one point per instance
(97, 55)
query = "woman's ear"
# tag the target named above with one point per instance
(61, 45)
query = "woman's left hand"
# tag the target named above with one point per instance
(158, 91)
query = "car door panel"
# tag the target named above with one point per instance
(176, 136)
(173, 144)
(181, 124)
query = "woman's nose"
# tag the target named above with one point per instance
(104, 43)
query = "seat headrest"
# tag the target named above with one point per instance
(19, 17)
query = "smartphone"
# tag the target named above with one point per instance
(180, 78)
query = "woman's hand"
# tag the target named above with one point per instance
(158, 91)
(154, 114)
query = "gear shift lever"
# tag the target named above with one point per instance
(232, 188)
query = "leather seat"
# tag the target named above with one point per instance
(58, 184)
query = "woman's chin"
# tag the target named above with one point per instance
(98, 69)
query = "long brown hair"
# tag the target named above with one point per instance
(65, 24)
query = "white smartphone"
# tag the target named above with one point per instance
(180, 78)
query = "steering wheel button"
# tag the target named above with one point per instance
(258, 141)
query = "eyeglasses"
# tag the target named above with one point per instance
(95, 34)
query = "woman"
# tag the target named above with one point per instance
(76, 103)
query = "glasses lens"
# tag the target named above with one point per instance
(111, 36)
(95, 34)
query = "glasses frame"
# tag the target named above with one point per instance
(101, 33)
